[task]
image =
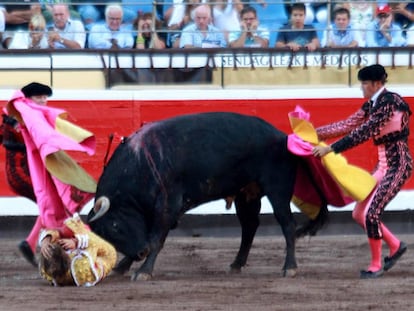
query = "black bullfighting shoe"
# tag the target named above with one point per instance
(27, 253)
(366, 274)
(390, 261)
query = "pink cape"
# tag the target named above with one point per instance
(327, 180)
(61, 186)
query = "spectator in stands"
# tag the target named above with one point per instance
(383, 31)
(17, 17)
(251, 33)
(362, 14)
(297, 35)
(404, 17)
(47, 9)
(65, 33)
(341, 33)
(2, 24)
(177, 18)
(226, 16)
(147, 35)
(34, 37)
(202, 33)
(111, 34)
(316, 11)
(132, 8)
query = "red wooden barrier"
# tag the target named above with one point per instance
(103, 117)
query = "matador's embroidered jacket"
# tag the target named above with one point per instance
(89, 265)
(387, 122)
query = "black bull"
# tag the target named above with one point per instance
(172, 166)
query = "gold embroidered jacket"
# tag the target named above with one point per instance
(88, 265)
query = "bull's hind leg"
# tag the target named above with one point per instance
(248, 214)
(281, 209)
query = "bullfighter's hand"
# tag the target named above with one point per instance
(83, 240)
(67, 243)
(320, 151)
(46, 247)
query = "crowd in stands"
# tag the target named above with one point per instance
(103, 24)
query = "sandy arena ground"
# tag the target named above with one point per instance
(191, 273)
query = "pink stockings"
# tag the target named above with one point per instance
(359, 214)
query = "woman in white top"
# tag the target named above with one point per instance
(34, 38)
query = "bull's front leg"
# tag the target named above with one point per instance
(157, 239)
(166, 213)
(144, 273)
(123, 265)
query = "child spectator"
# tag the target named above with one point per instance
(297, 35)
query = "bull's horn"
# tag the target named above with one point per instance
(100, 208)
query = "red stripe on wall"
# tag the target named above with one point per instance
(123, 117)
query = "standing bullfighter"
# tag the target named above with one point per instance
(385, 118)
(59, 185)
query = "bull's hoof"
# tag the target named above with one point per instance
(141, 276)
(235, 270)
(290, 273)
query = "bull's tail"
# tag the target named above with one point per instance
(312, 226)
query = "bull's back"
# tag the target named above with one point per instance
(212, 137)
(198, 147)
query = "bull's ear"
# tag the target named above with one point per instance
(100, 208)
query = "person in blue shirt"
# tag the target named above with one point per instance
(383, 32)
(202, 33)
(403, 13)
(251, 33)
(111, 34)
(297, 35)
(340, 33)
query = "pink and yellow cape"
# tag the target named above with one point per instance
(61, 186)
(331, 176)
